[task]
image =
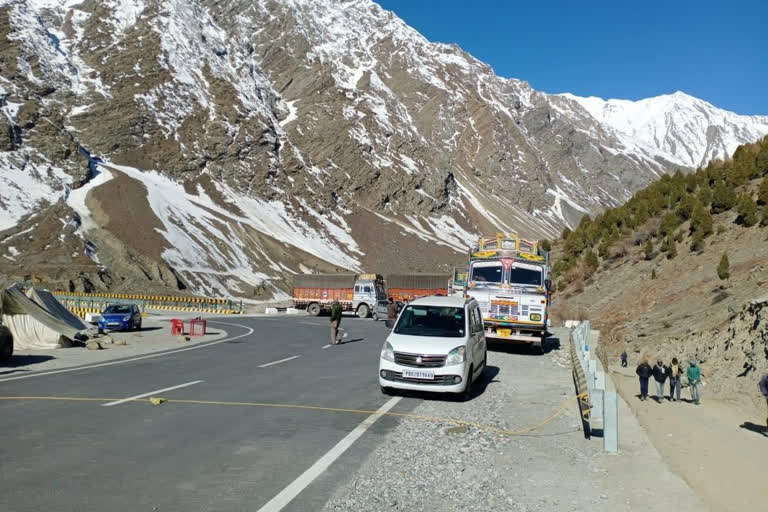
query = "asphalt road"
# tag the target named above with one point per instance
(82, 455)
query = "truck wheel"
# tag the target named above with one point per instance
(363, 311)
(6, 344)
(313, 309)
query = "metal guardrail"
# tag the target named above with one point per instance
(596, 403)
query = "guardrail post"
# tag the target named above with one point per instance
(610, 422)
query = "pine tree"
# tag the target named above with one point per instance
(747, 211)
(764, 220)
(762, 193)
(697, 243)
(649, 250)
(701, 222)
(546, 245)
(704, 196)
(723, 269)
(671, 248)
(566, 233)
(653, 274)
(723, 198)
(668, 224)
(685, 209)
(590, 260)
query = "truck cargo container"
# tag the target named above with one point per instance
(355, 292)
(406, 287)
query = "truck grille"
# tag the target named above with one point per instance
(427, 361)
(504, 310)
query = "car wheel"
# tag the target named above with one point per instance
(466, 395)
(314, 309)
(6, 344)
(363, 311)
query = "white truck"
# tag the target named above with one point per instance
(510, 278)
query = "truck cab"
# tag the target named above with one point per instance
(368, 291)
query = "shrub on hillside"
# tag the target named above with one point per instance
(671, 248)
(764, 220)
(747, 211)
(723, 197)
(704, 196)
(648, 250)
(762, 192)
(724, 268)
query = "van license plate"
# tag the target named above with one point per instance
(419, 374)
(504, 333)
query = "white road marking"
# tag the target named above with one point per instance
(328, 345)
(277, 362)
(311, 323)
(123, 361)
(285, 496)
(144, 395)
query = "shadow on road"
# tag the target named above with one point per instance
(523, 349)
(19, 360)
(752, 427)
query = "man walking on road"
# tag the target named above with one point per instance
(644, 371)
(335, 322)
(694, 378)
(624, 359)
(391, 309)
(659, 375)
(764, 391)
(674, 372)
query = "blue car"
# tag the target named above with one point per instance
(119, 317)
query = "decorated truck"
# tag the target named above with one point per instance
(406, 287)
(510, 278)
(458, 282)
(355, 292)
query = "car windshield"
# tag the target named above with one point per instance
(117, 310)
(524, 276)
(487, 273)
(446, 322)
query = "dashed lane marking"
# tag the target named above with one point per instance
(278, 362)
(157, 391)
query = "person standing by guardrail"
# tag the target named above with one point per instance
(675, 373)
(624, 359)
(644, 371)
(659, 375)
(694, 378)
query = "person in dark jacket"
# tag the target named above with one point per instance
(659, 375)
(391, 309)
(624, 359)
(675, 373)
(335, 322)
(764, 391)
(694, 379)
(644, 371)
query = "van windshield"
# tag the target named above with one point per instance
(445, 322)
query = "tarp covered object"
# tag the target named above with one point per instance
(421, 281)
(38, 322)
(324, 280)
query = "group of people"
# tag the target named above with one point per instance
(674, 373)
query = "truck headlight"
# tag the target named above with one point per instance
(387, 352)
(535, 317)
(456, 356)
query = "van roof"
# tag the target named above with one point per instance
(439, 300)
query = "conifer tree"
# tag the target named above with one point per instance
(764, 219)
(701, 222)
(671, 248)
(704, 196)
(668, 224)
(648, 250)
(697, 243)
(653, 274)
(762, 192)
(590, 260)
(723, 197)
(723, 269)
(747, 211)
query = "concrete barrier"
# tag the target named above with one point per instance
(270, 311)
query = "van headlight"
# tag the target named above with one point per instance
(456, 356)
(387, 352)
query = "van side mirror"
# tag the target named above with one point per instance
(390, 323)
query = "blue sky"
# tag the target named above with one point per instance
(717, 51)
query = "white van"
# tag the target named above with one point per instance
(437, 344)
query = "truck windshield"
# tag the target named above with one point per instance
(445, 322)
(486, 273)
(524, 276)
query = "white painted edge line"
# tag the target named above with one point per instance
(143, 395)
(326, 346)
(311, 323)
(287, 495)
(148, 356)
(277, 362)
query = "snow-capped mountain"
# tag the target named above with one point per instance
(221, 146)
(678, 128)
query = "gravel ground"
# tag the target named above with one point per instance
(154, 337)
(424, 465)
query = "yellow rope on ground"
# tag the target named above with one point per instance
(435, 419)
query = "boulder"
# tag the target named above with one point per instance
(93, 345)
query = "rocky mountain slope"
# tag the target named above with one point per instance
(219, 147)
